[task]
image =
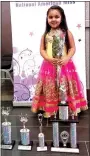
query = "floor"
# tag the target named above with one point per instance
(33, 125)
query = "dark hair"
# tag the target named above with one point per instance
(63, 25)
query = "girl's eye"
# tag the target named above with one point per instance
(56, 16)
(50, 17)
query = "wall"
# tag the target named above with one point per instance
(6, 35)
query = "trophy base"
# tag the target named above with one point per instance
(25, 147)
(42, 148)
(67, 149)
(8, 146)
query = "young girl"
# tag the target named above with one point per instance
(57, 48)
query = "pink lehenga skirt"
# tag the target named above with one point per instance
(47, 95)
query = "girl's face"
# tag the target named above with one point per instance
(54, 18)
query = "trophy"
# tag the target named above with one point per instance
(64, 116)
(63, 106)
(25, 143)
(42, 145)
(7, 142)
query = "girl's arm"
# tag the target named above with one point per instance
(71, 51)
(42, 49)
(72, 48)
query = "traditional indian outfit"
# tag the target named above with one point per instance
(47, 92)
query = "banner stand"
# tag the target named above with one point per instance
(26, 37)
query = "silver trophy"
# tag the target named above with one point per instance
(55, 132)
(42, 146)
(64, 137)
(25, 143)
(7, 142)
(63, 107)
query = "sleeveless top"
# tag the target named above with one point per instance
(55, 43)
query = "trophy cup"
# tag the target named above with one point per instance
(25, 143)
(63, 106)
(7, 142)
(42, 145)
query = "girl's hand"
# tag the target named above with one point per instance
(52, 60)
(64, 60)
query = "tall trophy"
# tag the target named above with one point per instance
(68, 143)
(25, 143)
(42, 146)
(7, 142)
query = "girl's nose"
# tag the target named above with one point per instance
(53, 19)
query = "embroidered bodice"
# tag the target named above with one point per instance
(55, 43)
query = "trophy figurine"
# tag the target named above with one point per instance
(64, 137)
(25, 143)
(63, 106)
(42, 145)
(7, 142)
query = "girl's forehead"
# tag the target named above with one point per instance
(54, 12)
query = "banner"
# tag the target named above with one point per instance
(28, 24)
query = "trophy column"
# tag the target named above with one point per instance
(7, 142)
(42, 146)
(55, 126)
(73, 133)
(25, 143)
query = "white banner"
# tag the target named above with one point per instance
(28, 24)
